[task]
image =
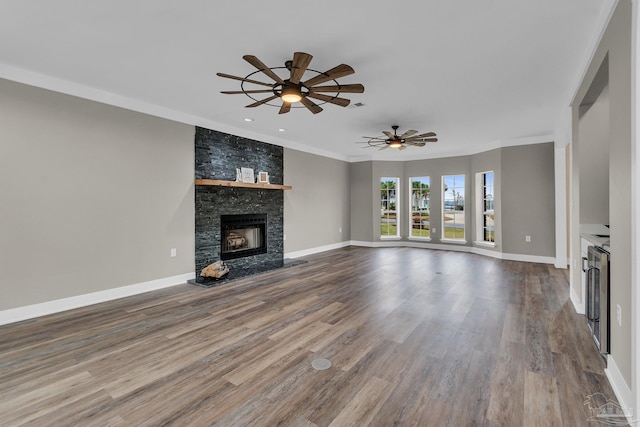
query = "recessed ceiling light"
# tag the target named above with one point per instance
(282, 130)
(248, 119)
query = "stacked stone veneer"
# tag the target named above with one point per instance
(217, 155)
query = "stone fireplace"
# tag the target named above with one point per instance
(217, 155)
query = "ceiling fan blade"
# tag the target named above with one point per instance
(389, 134)
(300, 63)
(408, 133)
(236, 92)
(312, 106)
(351, 88)
(423, 135)
(408, 141)
(383, 148)
(286, 107)
(260, 66)
(264, 101)
(421, 140)
(402, 147)
(229, 76)
(334, 73)
(415, 144)
(330, 99)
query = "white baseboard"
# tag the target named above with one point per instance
(578, 304)
(305, 252)
(457, 248)
(18, 314)
(410, 244)
(621, 389)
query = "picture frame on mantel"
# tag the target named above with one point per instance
(263, 177)
(247, 175)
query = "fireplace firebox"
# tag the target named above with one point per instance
(243, 235)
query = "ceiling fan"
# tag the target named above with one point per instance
(393, 140)
(289, 86)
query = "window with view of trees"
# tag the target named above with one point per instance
(420, 208)
(389, 207)
(453, 207)
(486, 215)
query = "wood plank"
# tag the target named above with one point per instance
(541, 403)
(506, 401)
(362, 409)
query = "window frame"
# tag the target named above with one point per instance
(410, 220)
(389, 211)
(443, 228)
(481, 212)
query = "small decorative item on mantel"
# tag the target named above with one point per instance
(263, 178)
(217, 270)
(238, 175)
(247, 175)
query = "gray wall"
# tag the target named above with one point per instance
(363, 202)
(93, 197)
(615, 46)
(528, 199)
(319, 204)
(594, 161)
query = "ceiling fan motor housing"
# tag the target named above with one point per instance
(290, 89)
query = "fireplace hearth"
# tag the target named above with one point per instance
(242, 235)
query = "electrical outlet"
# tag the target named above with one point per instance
(174, 252)
(284, 237)
(527, 239)
(340, 230)
(433, 230)
(619, 314)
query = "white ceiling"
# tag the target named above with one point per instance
(479, 73)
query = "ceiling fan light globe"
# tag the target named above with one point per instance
(395, 144)
(290, 95)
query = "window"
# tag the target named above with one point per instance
(485, 211)
(389, 210)
(453, 207)
(420, 208)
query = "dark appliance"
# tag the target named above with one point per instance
(597, 300)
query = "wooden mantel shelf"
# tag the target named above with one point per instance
(220, 183)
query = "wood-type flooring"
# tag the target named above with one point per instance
(416, 338)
